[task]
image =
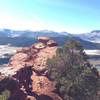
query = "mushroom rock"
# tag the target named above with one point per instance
(43, 39)
(51, 43)
(35, 56)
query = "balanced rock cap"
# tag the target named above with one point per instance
(51, 43)
(43, 39)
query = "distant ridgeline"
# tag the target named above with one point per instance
(27, 41)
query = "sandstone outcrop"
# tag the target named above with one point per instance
(26, 74)
(42, 85)
(35, 56)
(39, 45)
(43, 39)
(51, 43)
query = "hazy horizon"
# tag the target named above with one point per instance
(2, 29)
(73, 16)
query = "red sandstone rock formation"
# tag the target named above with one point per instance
(35, 56)
(43, 39)
(28, 65)
(51, 43)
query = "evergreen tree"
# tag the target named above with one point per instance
(74, 77)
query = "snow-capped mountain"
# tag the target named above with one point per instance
(9, 33)
(93, 36)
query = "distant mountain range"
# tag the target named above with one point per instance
(25, 38)
(28, 33)
(93, 36)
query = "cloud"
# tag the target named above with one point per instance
(35, 23)
(7, 21)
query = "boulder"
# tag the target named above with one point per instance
(43, 39)
(19, 60)
(51, 43)
(39, 45)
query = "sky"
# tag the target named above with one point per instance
(73, 16)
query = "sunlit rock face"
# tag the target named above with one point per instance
(35, 56)
(27, 71)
